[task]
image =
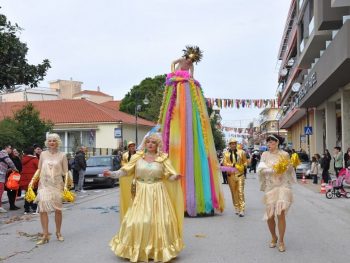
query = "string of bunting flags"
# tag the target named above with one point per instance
(238, 132)
(242, 103)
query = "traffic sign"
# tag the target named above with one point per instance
(308, 130)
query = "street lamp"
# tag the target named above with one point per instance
(138, 107)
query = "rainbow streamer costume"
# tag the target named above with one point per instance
(188, 139)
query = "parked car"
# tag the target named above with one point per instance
(94, 170)
(305, 165)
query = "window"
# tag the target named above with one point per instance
(99, 161)
(89, 138)
(73, 141)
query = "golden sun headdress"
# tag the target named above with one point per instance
(193, 52)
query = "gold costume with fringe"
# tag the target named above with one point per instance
(151, 224)
(277, 187)
(52, 166)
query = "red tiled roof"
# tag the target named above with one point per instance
(92, 92)
(72, 111)
(113, 104)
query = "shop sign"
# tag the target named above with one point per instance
(118, 133)
(308, 84)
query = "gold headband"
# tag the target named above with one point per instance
(273, 137)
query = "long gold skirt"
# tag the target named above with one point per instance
(149, 229)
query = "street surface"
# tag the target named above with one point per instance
(318, 230)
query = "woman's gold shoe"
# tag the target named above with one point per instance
(273, 243)
(59, 237)
(281, 247)
(43, 240)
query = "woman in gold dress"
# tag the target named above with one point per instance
(277, 187)
(151, 228)
(53, 166)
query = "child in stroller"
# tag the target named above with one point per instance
(336, 187)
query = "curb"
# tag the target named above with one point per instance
(20, 198)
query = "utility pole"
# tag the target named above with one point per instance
(308, 136)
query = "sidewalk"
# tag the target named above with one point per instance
(316, 188)
(5, 200)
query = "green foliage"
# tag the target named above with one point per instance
(31, 126)
(9, 134)
(217, 133)
(153, 88)
(24, 129)
(14, 69)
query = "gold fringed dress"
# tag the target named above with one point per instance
(152, 225)
(278, 191)
(52, 168)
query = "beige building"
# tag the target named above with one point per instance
(59, 89)
(30, 94)
(269, 124)
(94, 96)
(66, 88)
(82, 122)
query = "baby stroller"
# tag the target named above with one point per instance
(336, 187)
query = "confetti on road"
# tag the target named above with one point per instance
(105, 210)
(200, 236)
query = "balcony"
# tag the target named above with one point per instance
(330, 72)
(329, 17)
(340, 3)
(291, 117)
(310, 47)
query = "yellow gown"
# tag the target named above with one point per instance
(152, 225)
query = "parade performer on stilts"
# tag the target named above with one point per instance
(188, 139)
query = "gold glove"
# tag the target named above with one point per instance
(35, 178)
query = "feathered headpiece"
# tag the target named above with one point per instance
(193, 52)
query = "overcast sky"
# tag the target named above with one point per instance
(115, 44)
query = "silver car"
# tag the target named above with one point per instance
(304, 167)
(94, 170)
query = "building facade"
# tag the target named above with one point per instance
(269, 124)
(80, 122)
(59, 89)
(314, 84)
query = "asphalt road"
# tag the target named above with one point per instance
(318, 230)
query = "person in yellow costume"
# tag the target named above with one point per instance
(152, 226)
(127, 155)
(236, 158)
(124, 181)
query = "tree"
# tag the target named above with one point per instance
(14, 69)
(9, 134)
(217, 133)
(153, 88)
(31, 126)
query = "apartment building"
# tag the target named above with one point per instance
(269, 124)
(314, 84)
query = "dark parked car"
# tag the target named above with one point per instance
(94, 170)
(304, 166)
